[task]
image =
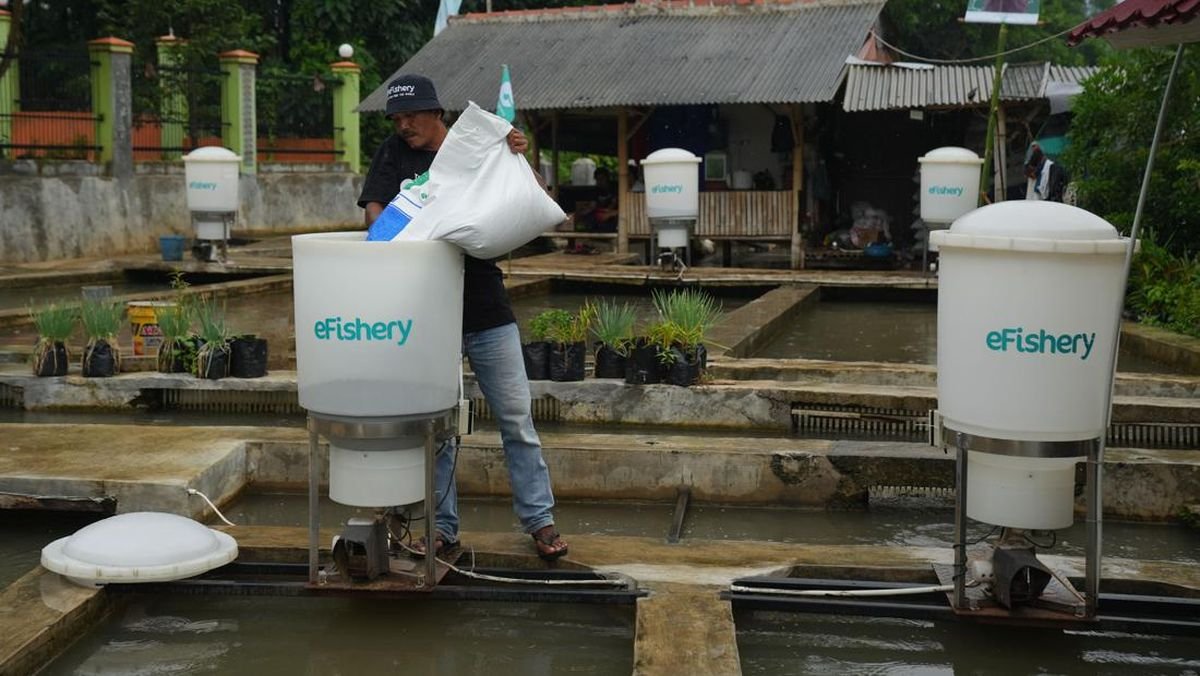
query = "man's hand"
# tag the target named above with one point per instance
(517, 141)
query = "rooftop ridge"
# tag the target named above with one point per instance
(643, 8)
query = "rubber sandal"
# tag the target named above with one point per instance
(443, 548)
(545, 540)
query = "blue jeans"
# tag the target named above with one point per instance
(495, 357)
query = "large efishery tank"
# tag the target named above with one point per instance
(1027, 300)
(378, 338)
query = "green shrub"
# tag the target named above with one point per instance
(101, 319)
(546, 323)
(693, 312)
(1164, 289)
(572, 328)
(614, 324)
(54, 322)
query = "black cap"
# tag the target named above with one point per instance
(409, 93)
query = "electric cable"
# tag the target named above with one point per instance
(1035, 543)
(193, 491)
(507, 580)
(900, 591)
(973, 59)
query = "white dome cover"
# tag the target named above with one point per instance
(139, 547)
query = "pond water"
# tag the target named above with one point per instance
(891, 525)
(773, 643)
(269, 636)
(39, 295)
(893, 332)
(24, 533)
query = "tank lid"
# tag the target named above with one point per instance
(950, 155)
(212, 154)
(139, 547)
(1030, 225)
(670, 155)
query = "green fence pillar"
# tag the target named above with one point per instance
(9, 92)
(112, 102)
(239, 126)
(345, 117)
(173, 108)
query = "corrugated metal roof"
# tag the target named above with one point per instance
(903, 86)
(1137, 14)
(643, 55)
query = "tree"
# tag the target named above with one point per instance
(1110, 139)
(931, 28)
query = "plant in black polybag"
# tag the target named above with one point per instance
(568, 346)
(613, 329)
(247, 356)
(537, 351)
(688, 315)
(101, 322)
(55, 323)
(178, 350)
(212, 359)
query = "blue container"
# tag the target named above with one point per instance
(878, 250)
(172, 247)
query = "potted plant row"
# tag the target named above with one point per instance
(210, 352)
(558, 346)
(56, 323)
(671, 349)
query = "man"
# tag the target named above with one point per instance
(490, 337)
(1046, 180)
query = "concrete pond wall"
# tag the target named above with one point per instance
(53, 210)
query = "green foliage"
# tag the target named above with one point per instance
(665, 335)
(931, 28)
(573, 328)
(546, 323)
(211, 321)
(692, 311)
(55, 322)
(101, 319)
(175, 320)
(1164, 289)
(614, 325)
(1110, 141)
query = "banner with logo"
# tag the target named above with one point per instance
(1024, 12)
(506, 107)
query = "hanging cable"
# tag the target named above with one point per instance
(193, 491)
(973, 59)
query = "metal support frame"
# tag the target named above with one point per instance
(1092, 449)
(435, 428)
(960, 528)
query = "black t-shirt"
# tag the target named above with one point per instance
(485, 302)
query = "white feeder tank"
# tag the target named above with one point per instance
(672, 185)
(378, 337)
(211, 176)
(949, 186)
(1027, 300)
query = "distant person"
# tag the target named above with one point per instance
(1046, 180)
(636, 184)
(602, 216)
(490, 337)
